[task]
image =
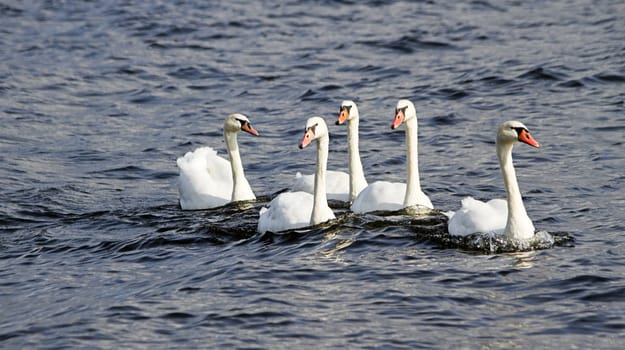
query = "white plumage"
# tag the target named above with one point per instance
(382, 195)
(498, 216)
(207, 180)
(292, 210)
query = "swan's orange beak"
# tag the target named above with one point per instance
(247, 127)
(399, 118)
(343, 116)
(525, 137)
(309, 135)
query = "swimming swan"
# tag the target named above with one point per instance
(357, 182)
(290, 210)
(207, 180)
(498, 216)
(383, 195)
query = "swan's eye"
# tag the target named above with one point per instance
(312, 129)
(401, 109)
(519, 130)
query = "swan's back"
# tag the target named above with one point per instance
(478, 217)
(289, 210)
(380, 195)
(205, 179)
(337, 184)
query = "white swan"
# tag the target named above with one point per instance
(498, 216)
(207, 180)
(382, 195)
(292, 210)
(357, 182)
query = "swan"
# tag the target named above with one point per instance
(357, 182)
(290, 210)
(207, 180)
(383, 195)
(498, 216)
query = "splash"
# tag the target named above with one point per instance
(490, 243)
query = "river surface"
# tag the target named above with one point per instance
(99, 98)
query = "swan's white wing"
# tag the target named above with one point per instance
(478, 217)
(304, 183)
(337, 184)
(380, 195)
(289, 210)
(205, 179)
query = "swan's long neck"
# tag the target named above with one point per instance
(320, 201)
(357, 181)
(238, 176)
(518, 225)
(413, 184)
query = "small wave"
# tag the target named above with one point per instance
(574, 83)
(194, 73)
(128, 312)
(540, 73)
(126, 70)
(615, 295)
(8, 11)
(451, 93)
(595, 79)
(177, 316)
(447, 119)
(128, 172)
(251, 320)
(330, 87)
(141, 97)
(407, 44)
(314, 95)
(173, 30)
(377, 72)
(485, 5)
(495, 80)
(609, 128)
(610, 77)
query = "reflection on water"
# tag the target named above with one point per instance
(335, 253)
(524, 259)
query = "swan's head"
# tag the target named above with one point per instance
(238, 122)
(315, 128)
(404, 112)
(348, 111)
(514, 131)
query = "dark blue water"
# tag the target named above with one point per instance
(99, 98)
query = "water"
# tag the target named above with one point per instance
(99, 98)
